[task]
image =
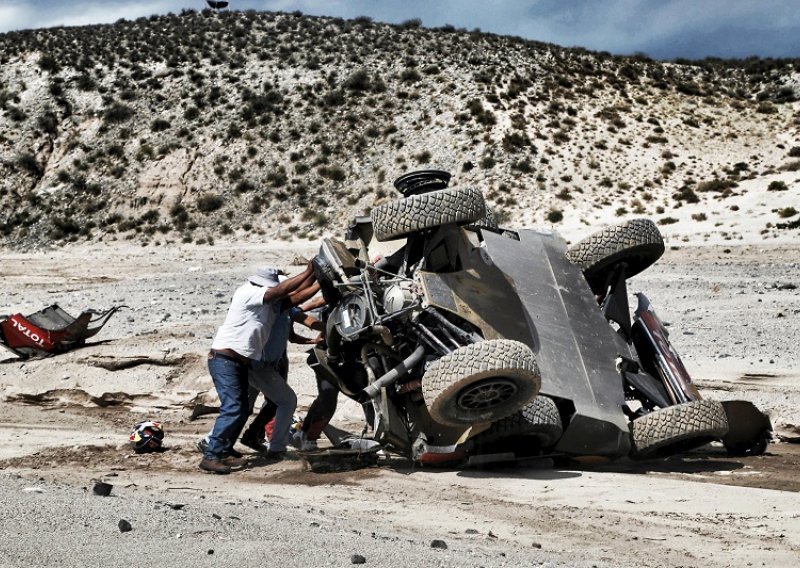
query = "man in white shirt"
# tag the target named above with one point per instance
(238, 342)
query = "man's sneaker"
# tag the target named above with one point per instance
(302, 443)
(215, 466)
(254, 444)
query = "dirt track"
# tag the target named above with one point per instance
(64, 422)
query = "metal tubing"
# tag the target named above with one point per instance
(398, 371)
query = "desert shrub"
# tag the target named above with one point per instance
(48, 63)
(621, 211)
(777, 186)
(766, 107)
(716, 185)
(480, 114)
(787, 212)
(333, 98)
(467, 166)
(689, 88)
(63, 227)
(411, 24)
(515, 141)
(794, 152)
(523, 166)
(359, 80)
(667, 221)
(48, 121)
(84, 82)
(244, 186)
(699, 217)
(208, 202)
(423, 157)
(118, 112)
(159, 125)
(334, 173)
(792, 166)
(191, 113)
(28, 163)
(555, 215)
(487, 162)
(16, 114)
(686, 194)
(410, 75)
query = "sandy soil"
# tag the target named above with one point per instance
(64, 422)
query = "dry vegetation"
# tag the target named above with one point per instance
(198, 126)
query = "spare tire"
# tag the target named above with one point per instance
(637, 242)
(678, 428)
(405, 217)
(489, 220)
(481, 383)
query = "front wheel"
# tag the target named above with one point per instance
(481, 383)
(678, 428)
(637, 242)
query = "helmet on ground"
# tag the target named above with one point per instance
(146, 436)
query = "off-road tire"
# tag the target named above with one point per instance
(407, 216)
(489, 221)
(538, 419)
(677, 428)
(479, 383)
(637, 242)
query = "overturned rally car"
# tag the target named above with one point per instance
(473, 342)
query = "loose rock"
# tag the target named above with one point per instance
(357, 559)
(124, 526)
(436, 543)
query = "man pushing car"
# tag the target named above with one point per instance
(239, 342)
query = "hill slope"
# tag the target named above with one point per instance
(244, 125)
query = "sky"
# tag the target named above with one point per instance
(662, 29)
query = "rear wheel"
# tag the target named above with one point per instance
(637, 242)
(539, 419)
(416, 213)
(678, 428)
(480, 383)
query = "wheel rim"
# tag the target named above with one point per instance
(488, 393)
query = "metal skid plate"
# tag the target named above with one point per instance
(576, 348)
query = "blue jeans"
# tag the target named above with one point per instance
(230, 380)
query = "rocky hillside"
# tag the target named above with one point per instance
(207, 126)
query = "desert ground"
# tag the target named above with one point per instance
(733, 313)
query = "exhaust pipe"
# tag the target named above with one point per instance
(395, 373)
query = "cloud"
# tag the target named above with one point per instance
(49, 13)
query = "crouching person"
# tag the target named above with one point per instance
(239, 342)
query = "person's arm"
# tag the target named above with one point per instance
(313, 303)
(290, 285)
(308, 320)
(303, 293)
(297, 338)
